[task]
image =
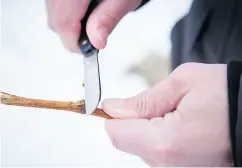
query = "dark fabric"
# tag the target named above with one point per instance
(212, 33)
(234, 71)
(143, 2)
(209, 33)
(239, 128)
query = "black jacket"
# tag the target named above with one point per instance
(212, 33)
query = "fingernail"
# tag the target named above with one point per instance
(114, 104)
(103, 34)
(118, 108)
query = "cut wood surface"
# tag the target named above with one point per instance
(78, 106)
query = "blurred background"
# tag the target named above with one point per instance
(35, 64)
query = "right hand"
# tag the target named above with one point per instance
(64, 18)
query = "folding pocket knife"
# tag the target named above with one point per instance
(91, 65)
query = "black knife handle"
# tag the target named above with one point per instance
(84, 43)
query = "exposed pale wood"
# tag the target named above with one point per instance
(78, 107)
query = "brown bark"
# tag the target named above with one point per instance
(78, 107)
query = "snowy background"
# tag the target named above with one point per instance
(35, 64)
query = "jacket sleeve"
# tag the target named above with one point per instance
(239, 128)
(234, 74)
(143, 2)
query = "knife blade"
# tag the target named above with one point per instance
(91, 65)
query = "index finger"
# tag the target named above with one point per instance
(64, 18)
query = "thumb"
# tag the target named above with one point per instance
(105, 17)
(154, 102)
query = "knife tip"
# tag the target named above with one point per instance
(90, 110)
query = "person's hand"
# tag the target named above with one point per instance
(182, 121)
(64, 18)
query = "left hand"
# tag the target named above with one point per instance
(182, 121)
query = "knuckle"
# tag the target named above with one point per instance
(187, 69)
(184, 67)
(106, 18)
(176, 83)
(140, 103)
(59, 25)
(187, 65)
(179, 78)
(111, 18)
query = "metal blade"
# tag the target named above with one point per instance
(92, 82)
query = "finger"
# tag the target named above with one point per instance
(64, 18)
(155, 102)
(69, 37)
(132, 136)
(151, 162)
(105, 17)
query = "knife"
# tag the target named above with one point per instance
(91, 65)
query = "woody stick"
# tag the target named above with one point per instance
(78, 106)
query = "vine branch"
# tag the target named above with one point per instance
(78, 106)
